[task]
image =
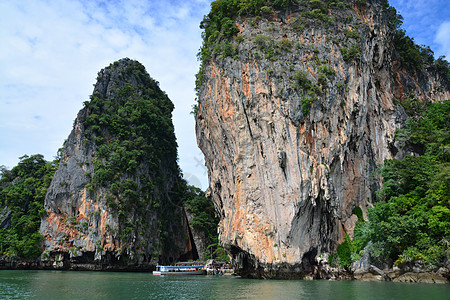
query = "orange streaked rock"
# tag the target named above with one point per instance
(286, 174)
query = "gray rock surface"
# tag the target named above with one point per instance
(5, 217)
(81, 230)
(285, 178)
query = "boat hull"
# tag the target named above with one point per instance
(196, 272)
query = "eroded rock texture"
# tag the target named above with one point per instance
(293, 124)
(114, 201)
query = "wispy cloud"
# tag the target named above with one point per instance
(423, 20)
(51, 52)
(443, 39)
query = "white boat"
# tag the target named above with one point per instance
(179, 270)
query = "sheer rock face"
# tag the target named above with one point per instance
(87, 226)
(285, 180)
(198, 236)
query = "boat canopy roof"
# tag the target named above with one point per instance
(189, 263)
(179, 267)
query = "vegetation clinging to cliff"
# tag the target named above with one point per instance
(412, 219)
(416, 57)
(22, 193)
(136, 151)
(205, 221)
(220, 23)
(221, 33)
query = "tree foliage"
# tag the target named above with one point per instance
(22, 193)
(204, 220)
(412, 219)
(136, 151)
(219, 24)
(415, 56)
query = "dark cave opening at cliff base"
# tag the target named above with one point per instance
(247, 265)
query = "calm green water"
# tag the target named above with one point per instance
(102, 285)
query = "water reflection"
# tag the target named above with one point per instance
(104, 285)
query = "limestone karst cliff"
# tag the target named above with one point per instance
(114, 202)
(297, 107)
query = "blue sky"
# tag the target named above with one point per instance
(428, 22)
(51, 51)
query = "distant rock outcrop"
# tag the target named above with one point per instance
(295, 113)
(114, 201)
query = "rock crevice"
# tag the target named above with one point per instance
(293, 124)
(114, 201)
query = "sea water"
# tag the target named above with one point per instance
(107, 285)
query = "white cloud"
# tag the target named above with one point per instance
(443, 39)
(51, 52)
(422, 19)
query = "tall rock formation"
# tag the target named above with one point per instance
(295, 112)
(114, 202)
